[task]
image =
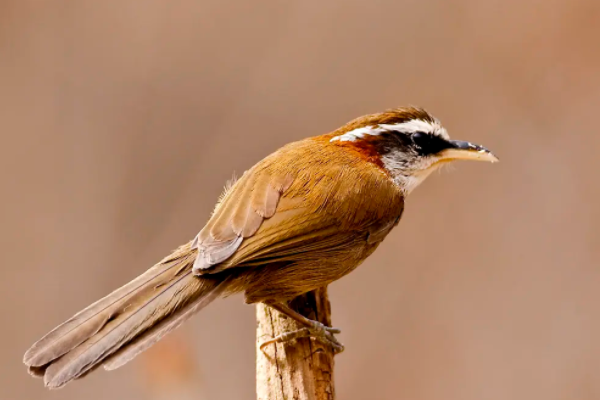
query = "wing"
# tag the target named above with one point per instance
(307, 198)
(239, 215)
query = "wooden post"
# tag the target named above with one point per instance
(301, 369)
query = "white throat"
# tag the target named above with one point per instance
(408, 183)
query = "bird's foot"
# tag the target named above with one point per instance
(318, 331)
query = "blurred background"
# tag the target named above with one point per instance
(122, 120)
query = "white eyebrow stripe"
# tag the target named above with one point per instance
(359, 133)
(412, 126)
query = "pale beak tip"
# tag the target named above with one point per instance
(493, 158)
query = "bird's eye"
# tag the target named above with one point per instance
(427, 143)
(421, 139)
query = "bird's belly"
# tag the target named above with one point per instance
(284, 281)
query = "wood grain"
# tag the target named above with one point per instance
(301, 369)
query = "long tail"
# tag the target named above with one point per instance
(115, 329)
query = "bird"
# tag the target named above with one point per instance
(301, 218)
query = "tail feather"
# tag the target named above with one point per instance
(118, 332)
(148, 338)
(124, 323)
(90, 320)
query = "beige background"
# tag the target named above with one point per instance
(120, 121)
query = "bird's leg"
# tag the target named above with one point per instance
(314, 329)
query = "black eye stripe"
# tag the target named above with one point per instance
(421, 143)
(427, 143)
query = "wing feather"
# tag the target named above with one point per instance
(291, 211)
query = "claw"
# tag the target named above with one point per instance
(286, 337)
(318, 331)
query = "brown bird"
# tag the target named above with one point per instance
(298, 220)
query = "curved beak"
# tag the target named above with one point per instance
(460, 150)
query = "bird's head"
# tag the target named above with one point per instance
(408, 142)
